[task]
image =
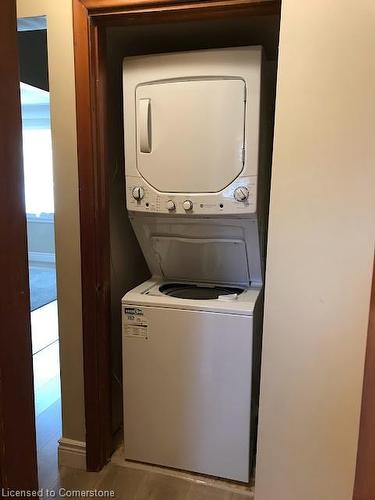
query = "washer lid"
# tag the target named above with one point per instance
(221, 250)
(206, 260)
(190, 133)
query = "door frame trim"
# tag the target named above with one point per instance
(89, 16)
(17, 415)
(364, 486)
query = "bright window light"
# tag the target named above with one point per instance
(37, 150)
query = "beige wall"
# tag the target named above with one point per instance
(321, 244)
(61, 77)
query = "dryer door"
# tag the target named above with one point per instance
(190, 134)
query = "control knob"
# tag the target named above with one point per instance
(188, 205)
(241, 193)
(171, 205)
(138, 193)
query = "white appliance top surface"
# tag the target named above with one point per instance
(148, 294)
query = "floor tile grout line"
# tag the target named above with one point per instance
(46, 347)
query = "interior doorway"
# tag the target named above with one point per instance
(39, 203)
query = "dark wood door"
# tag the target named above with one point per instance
(18, 464)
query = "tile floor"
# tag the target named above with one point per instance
(46, 361)
(44, 326)
(47, 393)
(133, 484)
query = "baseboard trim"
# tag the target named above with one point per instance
(72, 453)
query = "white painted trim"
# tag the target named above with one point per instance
(44, 258)
(40, 219)
(72, 453)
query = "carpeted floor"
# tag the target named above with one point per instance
(42, 286)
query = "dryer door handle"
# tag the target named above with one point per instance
(144, 111)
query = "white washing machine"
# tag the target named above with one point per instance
(188, 339)
(194, 194)
(188, 373)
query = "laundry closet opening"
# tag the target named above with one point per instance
(201, 271)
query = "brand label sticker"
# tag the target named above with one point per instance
(135, 324)
(135, 311)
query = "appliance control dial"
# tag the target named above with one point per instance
(241, 193)
(138, 193)
(171, 205)
(188, 205)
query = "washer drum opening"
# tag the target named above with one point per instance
(197, 292)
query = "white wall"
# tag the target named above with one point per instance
(321, 244)
(61, 78)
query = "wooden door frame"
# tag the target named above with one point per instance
(364, 486)
(89, 16)
(18, 462)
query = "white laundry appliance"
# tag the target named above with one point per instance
(194, 181)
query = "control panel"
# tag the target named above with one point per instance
(239, 197)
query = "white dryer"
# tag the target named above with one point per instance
(193, 141)
(194, 195)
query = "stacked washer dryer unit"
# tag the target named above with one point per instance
(193, 184)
